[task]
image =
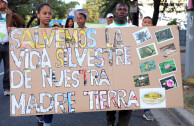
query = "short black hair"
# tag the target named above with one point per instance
(83, 15)
(40, 6)
(122, 4)
(147, 17)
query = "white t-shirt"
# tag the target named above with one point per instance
(3, 29)
(114, 25)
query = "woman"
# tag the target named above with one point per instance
(44, 16)
(69, 23)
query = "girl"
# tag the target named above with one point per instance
(44, 16)
(69, 23)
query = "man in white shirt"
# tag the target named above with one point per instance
(121, 14)
(7, 19)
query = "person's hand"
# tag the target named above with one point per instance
(9, 11)
(9, 29)
(177, 27)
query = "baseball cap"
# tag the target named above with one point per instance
(5, 1)
(109, 15)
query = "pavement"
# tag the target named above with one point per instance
(173, 117)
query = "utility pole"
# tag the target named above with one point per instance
(189, 61)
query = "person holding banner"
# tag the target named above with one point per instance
(121, 14)
(44, 16)
(7, 19)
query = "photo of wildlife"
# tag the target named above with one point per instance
(164, 35)
(167, 67)
(147, 51)
(141, 80)
(142, 36)
(168, 50)
(147, 66)
(169, 82)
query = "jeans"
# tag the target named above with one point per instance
(145, 110)
(124, 117)
(46, 118)
(4, 54)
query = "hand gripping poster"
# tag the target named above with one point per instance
(55, 71)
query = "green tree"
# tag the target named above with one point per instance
(93, 8)
(167, 7)
(28, 9)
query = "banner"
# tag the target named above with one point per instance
(85, 70)
(102, 20)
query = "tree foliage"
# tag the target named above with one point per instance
(93, 8)
(28, 9)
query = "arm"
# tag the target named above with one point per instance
(18, 21)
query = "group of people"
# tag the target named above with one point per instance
(9, 19)
(81, 20)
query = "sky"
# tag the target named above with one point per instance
(80, 2)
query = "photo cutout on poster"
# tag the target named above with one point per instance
(167, 67)
(164, 35)
(142, 36)
(141, 80)
(169, 82)
(147, 66)
(168, 50)
(152, 98)
(147, 51)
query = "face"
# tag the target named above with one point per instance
(110, 20)
(3, 5)
(81, 20)
(70, 24)
(121, 12)
(147, 22)
(45, 15)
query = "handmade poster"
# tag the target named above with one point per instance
(55, 71)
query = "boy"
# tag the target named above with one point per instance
(81, 20)
(147, 21)
(7, 19)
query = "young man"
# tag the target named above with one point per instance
(81, 20)
(121, 14)
(109, 18)
(7, 19)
